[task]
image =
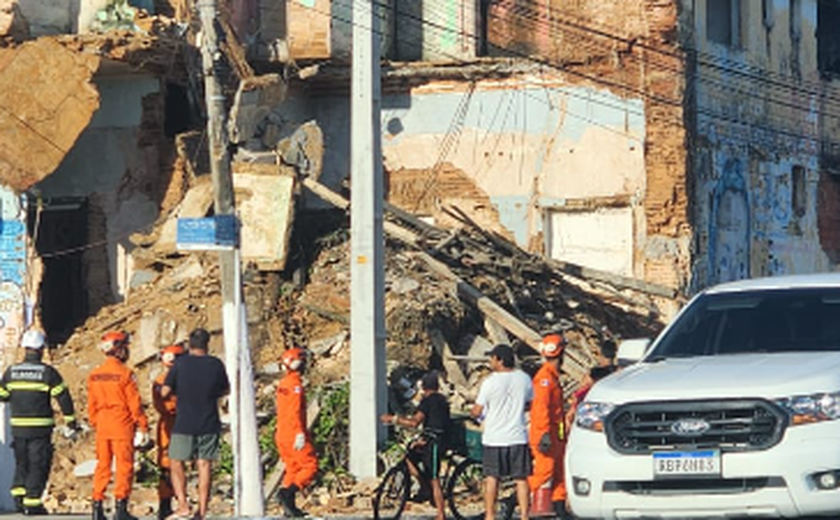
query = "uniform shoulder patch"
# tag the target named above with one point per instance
(298, 389)
(544, 382)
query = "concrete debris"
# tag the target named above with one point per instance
(58, 89)
(117, 15)
(254, 100)
(84, 469)
(450, 295)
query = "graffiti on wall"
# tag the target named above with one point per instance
(12, 270)
(729, 232)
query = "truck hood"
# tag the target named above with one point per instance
(708, 377)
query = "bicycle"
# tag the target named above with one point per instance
(461, 478)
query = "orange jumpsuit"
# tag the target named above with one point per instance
(115, 413)
(166, 409)
(547, 417)
(301, 465)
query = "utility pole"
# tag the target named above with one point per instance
(247, 478)
(367, 322)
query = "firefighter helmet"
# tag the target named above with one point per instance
(552, 345)
(113, 340)
(293, 359)
(168, 354)
(33, 339)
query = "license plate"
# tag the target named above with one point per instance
(703, 463)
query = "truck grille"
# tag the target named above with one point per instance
(727, 425)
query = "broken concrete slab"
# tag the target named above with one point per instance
(265, 203)
(254, 100)
(46, 101)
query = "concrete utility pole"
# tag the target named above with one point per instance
(247, 479)
(367, 322)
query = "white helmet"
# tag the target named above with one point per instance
(33, 339)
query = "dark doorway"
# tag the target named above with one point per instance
(59, 230)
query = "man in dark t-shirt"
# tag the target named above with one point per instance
(199, 381)
(424, 457)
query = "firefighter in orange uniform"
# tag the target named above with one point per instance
(291, 436)
(115, 412)
(546, 435)
(166, 409)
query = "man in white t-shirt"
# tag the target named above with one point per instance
(503, 400)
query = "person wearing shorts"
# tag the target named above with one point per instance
(199, 381)
(501, 405)
(424, 457)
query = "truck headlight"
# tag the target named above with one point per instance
(807, 409)
(590, 416)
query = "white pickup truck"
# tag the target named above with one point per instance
(731, 412)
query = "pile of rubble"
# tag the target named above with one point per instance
(450, 295)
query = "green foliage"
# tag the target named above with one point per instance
(268, 450)
(224, 466)
(331, 432)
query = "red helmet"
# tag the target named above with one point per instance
(293, 358)
(168, 354)
(113, 340)
(552, 345)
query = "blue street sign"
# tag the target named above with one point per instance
(209, 233)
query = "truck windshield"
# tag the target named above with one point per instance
(774, 321)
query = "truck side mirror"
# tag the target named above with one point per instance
(631, 350)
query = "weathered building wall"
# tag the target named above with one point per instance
(526, 150)
(431, 30)
(116, 173)
(758, 181)
(629, 48)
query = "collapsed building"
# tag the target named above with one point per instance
(580, 166)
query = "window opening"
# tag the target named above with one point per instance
(723, 22)
(828, 38)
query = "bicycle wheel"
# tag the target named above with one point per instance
(465, 491)
(392, 493)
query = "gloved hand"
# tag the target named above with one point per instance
(141, 439)
(545, 444)
(70, 430)
(300, 441)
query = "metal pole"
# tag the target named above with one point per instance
(247, 478)
(367, 323)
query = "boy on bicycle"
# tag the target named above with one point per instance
(424, 456)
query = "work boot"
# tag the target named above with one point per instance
(19, 504)
(122, 511)
(286, 496)
(38, 510)
(298, 513)
(164, 508)
(98, 511)
(560, 510)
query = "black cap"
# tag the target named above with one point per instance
(503, 353)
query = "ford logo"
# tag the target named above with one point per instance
(690, 427)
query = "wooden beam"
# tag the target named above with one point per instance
(453, 369)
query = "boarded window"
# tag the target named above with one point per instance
(599, 238)
(828, 37)
(723, 22)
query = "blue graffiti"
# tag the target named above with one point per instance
(729, 226)
(12, 251)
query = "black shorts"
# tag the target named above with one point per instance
(426, 457)
(507, 461)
